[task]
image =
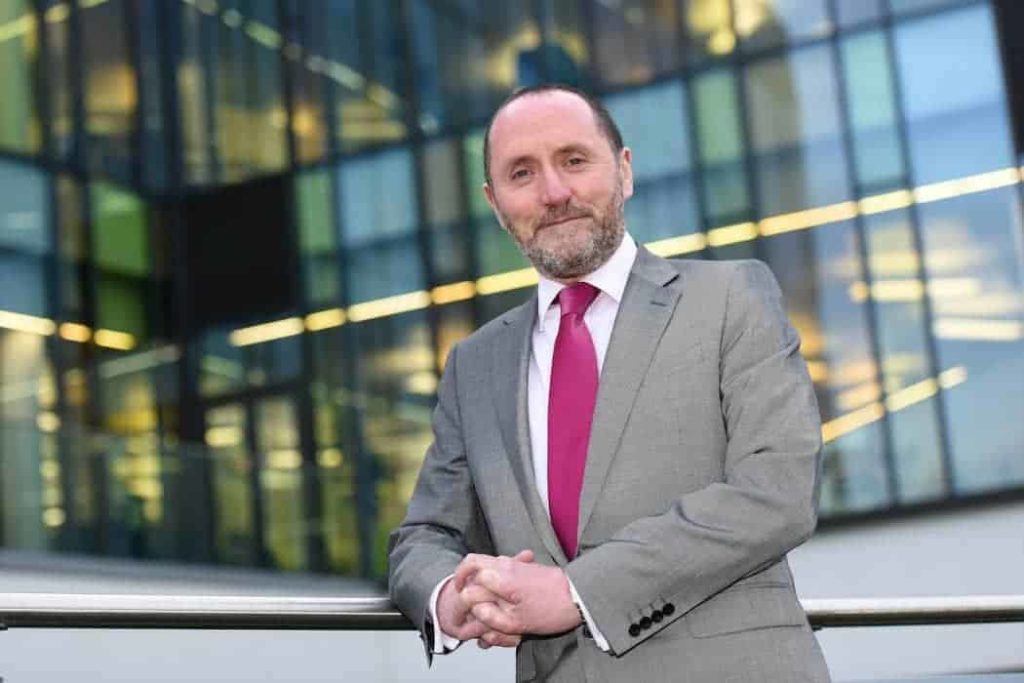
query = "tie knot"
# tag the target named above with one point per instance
(576, 298)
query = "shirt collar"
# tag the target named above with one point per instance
(610, 278)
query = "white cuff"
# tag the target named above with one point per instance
(599, 638)
(443, 643)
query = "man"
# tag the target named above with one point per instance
(620, 464)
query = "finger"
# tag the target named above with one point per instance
(524, 556)
(469, 566)
(497, 639)
(498, 584)
(475, 593)
(496, 619)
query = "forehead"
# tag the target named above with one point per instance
(543, 120)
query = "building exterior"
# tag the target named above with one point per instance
(238, 237)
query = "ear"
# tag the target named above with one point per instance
(626, 172)
(489, 194)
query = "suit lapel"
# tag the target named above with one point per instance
(509, 374)
(648, 302)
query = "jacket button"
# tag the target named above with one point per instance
(634, 630)
(657, 616)
(645, 623)
(668, 609)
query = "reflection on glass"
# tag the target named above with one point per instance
(284, 519)
(720, 147)
(395, 387)
(230, 463)
(762, 23)
(635, 40)
(317, 236)
(954, 95)
(122, 256)
(872, 112)
(19, 123)
(815, 276)
(795, 131)
(445, 214)
(973, 262)
(907, 6)
(111, 95)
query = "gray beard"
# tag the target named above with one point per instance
(603, 242)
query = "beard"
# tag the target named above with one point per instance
(571, 256)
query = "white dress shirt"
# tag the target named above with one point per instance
(610, 279)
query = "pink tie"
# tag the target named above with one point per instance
(570, 412)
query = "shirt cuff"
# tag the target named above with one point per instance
(599, 638)
(443, 643)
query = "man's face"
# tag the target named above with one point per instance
(556, 184)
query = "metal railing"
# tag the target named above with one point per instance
(74, 610)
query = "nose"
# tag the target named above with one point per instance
(554, 190)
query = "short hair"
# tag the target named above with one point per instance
(605, 123)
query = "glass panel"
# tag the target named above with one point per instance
(813, 270)
(850, 12)
(709, 24)
(194, 98)
(636, 40)
(303, 46)
(906, 6)
(231, 471)
(221, 364)
(954, 97)
(19, 122)
(870, 98)
(893, 264)
(150, 19)
(396, 382)
(314, 203)
(562, 55)
(362, 62)
(794, 123)
(111, 94)
(335, 414)
(445, 213)
(973, 259)
(720, 147)
(655, 126)
(57, 64)
(761, 23)
(277, 442)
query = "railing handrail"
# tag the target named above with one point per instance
(98, 610)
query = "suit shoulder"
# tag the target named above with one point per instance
(719, 271)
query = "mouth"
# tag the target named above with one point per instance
(561, 221)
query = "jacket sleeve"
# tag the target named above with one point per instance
(444, 521)
(764, 505)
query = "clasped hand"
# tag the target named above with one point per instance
(497, 600)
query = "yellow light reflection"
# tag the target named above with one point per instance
(53, 517)
(915, 393)
(952, 377)
(676, 246)
(58, 13)
(457, 291)
(881, 203)
(845, 424)
(75, 332)
(423, 383)
(978, 329)
(809, 218)
(392, 305)
(112, 339)
(47, 422)
(731, 234)
(330, 458)
(263, 34)
(322, 320)
(969, 185)
(818, 370)
(16, 28)
(284, 459)
(258, 334)
(504, 282)
(223, 437)
(858, 396)
(20, 322)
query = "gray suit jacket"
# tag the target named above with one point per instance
(701, 474)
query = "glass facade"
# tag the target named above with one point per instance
(239, 237)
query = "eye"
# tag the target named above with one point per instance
(519, 174)
(575, 161)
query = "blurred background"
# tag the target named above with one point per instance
(238, 238)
